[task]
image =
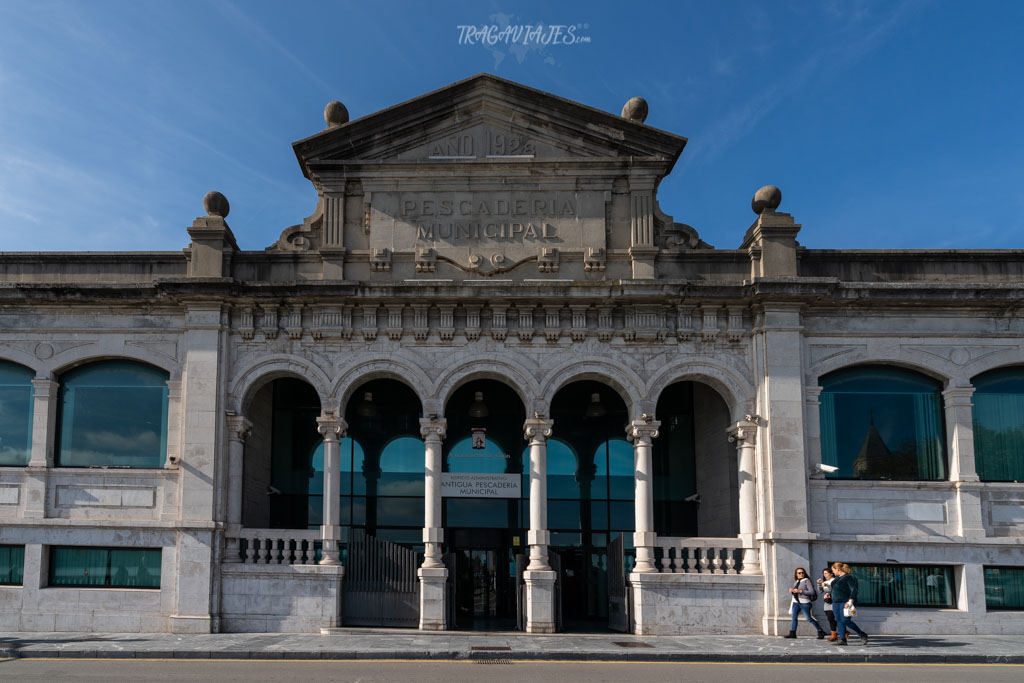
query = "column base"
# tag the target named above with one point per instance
(185, 623)
(433, 598)
(540, 601)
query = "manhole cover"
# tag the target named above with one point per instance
(490, 648)
(630, 643)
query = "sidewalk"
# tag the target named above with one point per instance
(345, 643)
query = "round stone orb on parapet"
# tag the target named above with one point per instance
(635, 109)
(216, 204)
(335, 114)
(767, 198)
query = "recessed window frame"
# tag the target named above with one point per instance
(950, 580)
(14, 555)
(1003, 608)
(994, 390)
(55, 553)
(14, 379)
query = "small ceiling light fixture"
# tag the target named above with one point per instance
(366, 407)
(595, 408)
(478, 408)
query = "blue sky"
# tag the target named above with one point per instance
(886, 124)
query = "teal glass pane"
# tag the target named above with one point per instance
(897, 585)
(999, 425)
(562, 476)
(109, 567)
(400, 512)
(15, 414)
(491, 459)
(113, 415)
(623, 516)
(883, 423)
(621, 479)
(564, 514)
(565, 539)
(408, 537)
(133, 568)
(12, 565)
(599, 515)
(1004, 588)
(477, 512)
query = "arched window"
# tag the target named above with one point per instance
(882, 423)
(15, 414)
(113, 414)
(999, 424)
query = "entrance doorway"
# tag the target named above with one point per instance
(485, 579)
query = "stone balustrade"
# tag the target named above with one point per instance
(697, 555)
(275, 546)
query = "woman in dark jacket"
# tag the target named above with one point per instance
(844, 596)
(803, 597)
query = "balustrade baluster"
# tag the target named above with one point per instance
(718, 560)
(264, 550)
(670, 567)
(730, 562)
(705, 563)
(694, 564)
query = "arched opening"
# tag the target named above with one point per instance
(485, 508)
(590, 493)
(880, 422)
(279, 457)
(999, 424)
(696, 484)
(15, 414)
(112, 414)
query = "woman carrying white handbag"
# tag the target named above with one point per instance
(844, 597)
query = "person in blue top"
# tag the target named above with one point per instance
(844, 596)
(803, 597)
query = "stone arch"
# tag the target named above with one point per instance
(995, 361)
(21, 359)
(830, 365)
(396, 367)
(735, 390)
(480, 366)
(627, 383)
(71, 360)
(251, 379)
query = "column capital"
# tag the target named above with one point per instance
(239, 427)
(743, 433)
(538, 428)
(332, 427)
(433, 428)
(644, 429)
(45, 386)
(958, 396)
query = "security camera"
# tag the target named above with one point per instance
(273, 491)
(173, 459)
(826, 468)
(695, 498)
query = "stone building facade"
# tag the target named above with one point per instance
(489, 349)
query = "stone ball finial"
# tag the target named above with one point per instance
(635, 109)
(767, 198)
(216, 204)
(335, 114)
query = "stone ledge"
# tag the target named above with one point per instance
(697, 580)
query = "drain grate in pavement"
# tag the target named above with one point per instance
(630, 643)
(492, 661)
(490, 648)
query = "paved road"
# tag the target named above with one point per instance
(157, 671)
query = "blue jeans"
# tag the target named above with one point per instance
(844, 622)
(796, 608)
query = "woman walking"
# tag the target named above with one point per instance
(844, 595)
(803, 597)
(825, 584)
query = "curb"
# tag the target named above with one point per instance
(652, 657)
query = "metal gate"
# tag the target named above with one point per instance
(618, 605)
(556, 565)
(380, 586)
(449, 592)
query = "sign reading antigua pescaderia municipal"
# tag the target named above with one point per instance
(471, 485)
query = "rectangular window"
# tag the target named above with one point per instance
(1004, 588)
(904, 585)
(105, 567)
(12, 564)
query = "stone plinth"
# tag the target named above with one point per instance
(433, 606)
(540, 601)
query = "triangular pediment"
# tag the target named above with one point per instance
(485, 117)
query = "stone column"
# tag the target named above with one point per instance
(539, 577)
(238, 429)
(744, 435)
(962, 468)
(44, 429)
(333, 429)
(537, 432)
(641, 432)
(433, 574)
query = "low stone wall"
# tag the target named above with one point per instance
(81, 609)
(681, 604)
(272, 598)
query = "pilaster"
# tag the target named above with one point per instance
(962, 467)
